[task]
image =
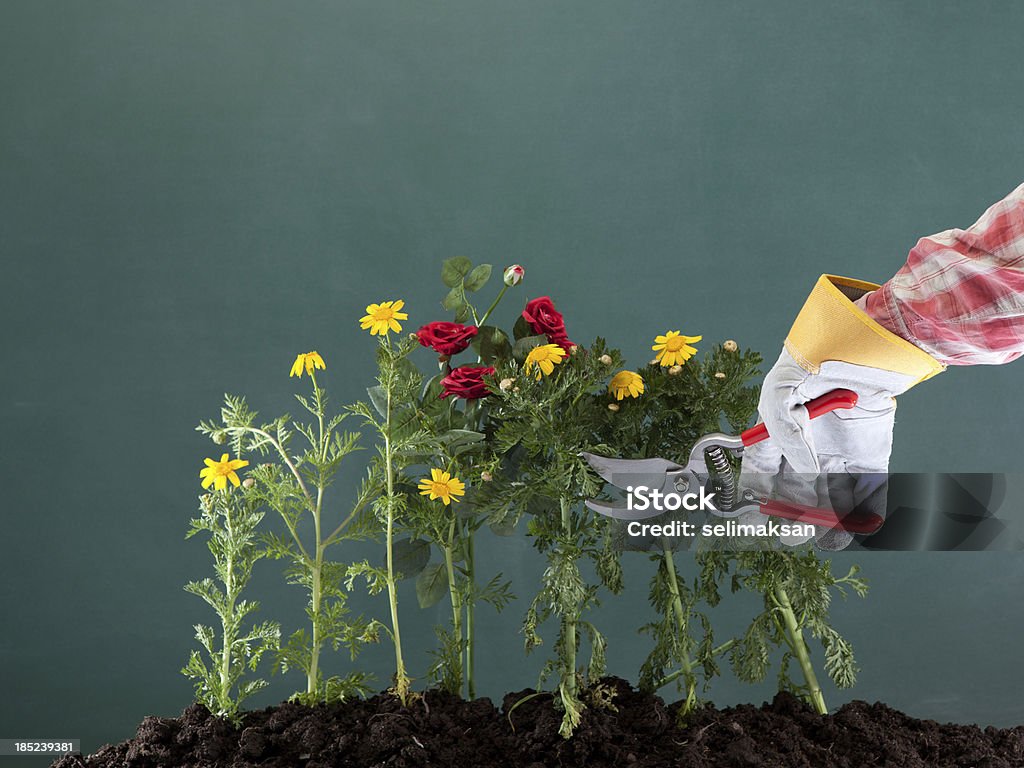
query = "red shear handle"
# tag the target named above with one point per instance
(855, 522)
(830, 401)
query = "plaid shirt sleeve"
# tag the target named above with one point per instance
(960, 296)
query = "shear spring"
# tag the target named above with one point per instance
(724, 479)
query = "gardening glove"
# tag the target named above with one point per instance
(839, 460)
(958, 300)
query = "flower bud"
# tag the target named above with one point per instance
(655, 361)
(674, 370)
(606, 359)
(505, 385)
(730, 346)
(515, 389)
(486, 476)
(248, 483)
(514, 275)
(719, 375)
(613, 407)
(219, 437)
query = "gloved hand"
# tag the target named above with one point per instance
(839, 460)
(958, 300)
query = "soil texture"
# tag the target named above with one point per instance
(636, 730)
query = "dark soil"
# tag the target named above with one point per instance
(441, 730)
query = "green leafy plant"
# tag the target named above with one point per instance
(230, 518)
(392, 414)
(546, 416)
(797, 589)
(486, 444)
(453, 407)
(679, 404)
(295, 487)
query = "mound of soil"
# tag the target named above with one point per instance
(637, 730)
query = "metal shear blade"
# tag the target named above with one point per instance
(617, 470)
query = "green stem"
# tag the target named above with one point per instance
(401, 678)
(314, 651)
(228, 635)
(796, 642)
(677, 609)
(359, 506)
(453, 592)
(671, 676)
(470, 611)
(313, 674)
(294, 470)
(493, 305)
(568, 622)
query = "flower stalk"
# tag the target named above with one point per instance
(795, 640)
(402, 681)
(682, 625)
(230, 518)
(295, 488)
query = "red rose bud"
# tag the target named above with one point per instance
(467, 382)
(545, 319)
(446, 338)
(514, 275)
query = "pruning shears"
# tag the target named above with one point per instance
(670, 478)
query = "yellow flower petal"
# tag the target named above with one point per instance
(674, 349)
(218, 473)
(441, 485)
(381, 319)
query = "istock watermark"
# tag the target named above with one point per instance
(641, 498)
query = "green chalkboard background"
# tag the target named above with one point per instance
(192, 192)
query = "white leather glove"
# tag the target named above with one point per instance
(839, 460)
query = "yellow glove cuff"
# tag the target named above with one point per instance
(831, 327)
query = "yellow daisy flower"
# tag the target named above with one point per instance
(545, 357)
(674, 349)
(441, 485)
(217, 473)
(626, 383)
(383, 317)
(307, 363)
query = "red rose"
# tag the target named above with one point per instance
(545, 319)
(467, 382)
(446, 338)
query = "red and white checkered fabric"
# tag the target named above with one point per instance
(960, 296)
